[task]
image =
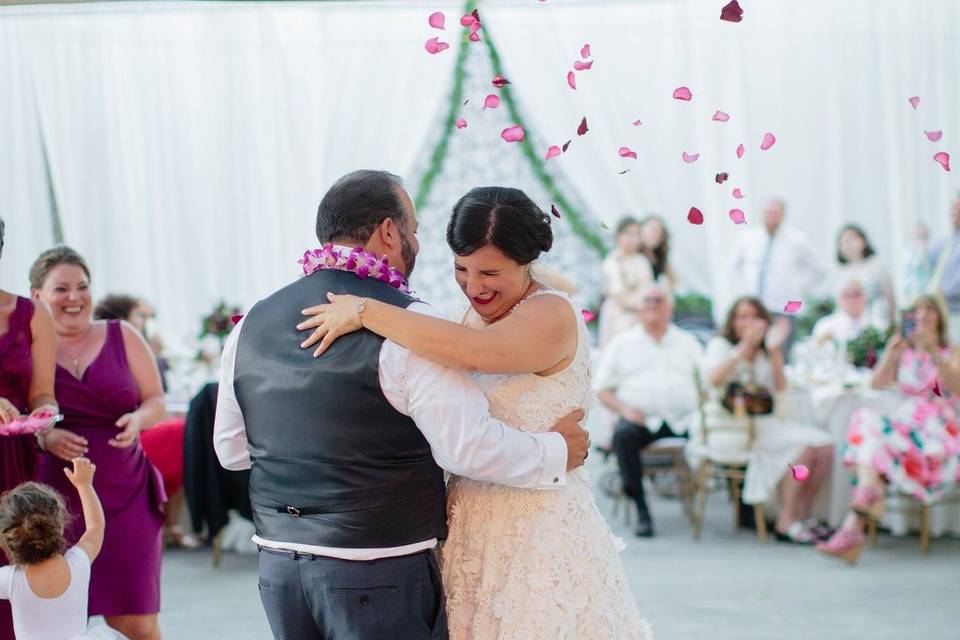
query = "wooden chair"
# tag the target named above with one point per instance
(952, 498)
(661, 459)
(728, 466)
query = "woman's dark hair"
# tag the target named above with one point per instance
(729, 332)
(937, 303)
(503, 217)
(357, 204)
(32, 519)
(51, 258)
(867, 247)
(625, 223)
(115, 307)
(660, 253)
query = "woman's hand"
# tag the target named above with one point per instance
(330, 321)
(131, 425)
(777, 335)
(64, 444)
(8, 412)
(897, 346)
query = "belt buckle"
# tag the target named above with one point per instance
(293, 511)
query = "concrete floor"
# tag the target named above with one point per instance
(725, 587)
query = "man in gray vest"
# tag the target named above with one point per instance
(346, 451)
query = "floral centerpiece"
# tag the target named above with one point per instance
(219, 322)
(864, 351)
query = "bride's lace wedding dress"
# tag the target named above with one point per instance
(523, 564)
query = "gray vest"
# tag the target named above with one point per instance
(334, 464)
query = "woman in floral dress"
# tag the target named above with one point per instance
(916, 447)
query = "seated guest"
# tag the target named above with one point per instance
(749, 352)
(646, 378)
(850, 318)
(915, 448)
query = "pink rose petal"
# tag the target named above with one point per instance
(492, 101)
(582, 129)
(768, 141)
(800, 472)
(235, 318)
(720, 116)
(434, 45)
(566, 145)
(572, 80)
(461, 123)
(741, 150)
(499, 81)
(682, 93)
(512, 134)
(585, 51)
(474, 37)
(688, 158)
(933, 136)
(588, 316)
(552, 152)
(737, 216)
(737, 193)
(637, 123)
(695, 216)
(915, 101)
(436, 20)
(792, 306)
(943, 159)
(553, 210)
(582, 66)
(936, 389)
(720, 178)
(625, 152)
(467, 20)
(732, 12)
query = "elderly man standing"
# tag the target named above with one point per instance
(946, 272)
(646, 376)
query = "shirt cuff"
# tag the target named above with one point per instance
(555, 461)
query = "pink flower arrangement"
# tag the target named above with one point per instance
(358, 261)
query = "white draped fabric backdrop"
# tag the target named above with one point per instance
(187, 145)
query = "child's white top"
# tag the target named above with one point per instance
(36, 618)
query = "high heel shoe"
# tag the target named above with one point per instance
(868, 502)
(846, 544)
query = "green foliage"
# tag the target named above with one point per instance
(815, 310)
(693, 305)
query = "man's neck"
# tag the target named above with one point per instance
(657, 333)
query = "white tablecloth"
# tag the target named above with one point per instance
(830, 406)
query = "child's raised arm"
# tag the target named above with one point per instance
(82, 478)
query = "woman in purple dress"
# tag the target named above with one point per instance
(109, 390)
(27, 360)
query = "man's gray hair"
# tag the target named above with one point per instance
(660, 287)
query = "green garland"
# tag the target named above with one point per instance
(538, 164)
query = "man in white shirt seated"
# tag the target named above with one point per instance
(646, 376)
(850, 318)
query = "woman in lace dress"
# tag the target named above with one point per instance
(537, 565)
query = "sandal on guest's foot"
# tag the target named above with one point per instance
(846, 544)
(821, 530)
(796, 533)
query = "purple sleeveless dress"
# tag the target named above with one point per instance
(17, 457)
(125, 579)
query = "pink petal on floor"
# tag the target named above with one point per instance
(625, 152)
(682, 93)
(436, 20)
(792, 306)
(582, 66)
(461, 123)
(512, 134)
(768, 141)
(800, 472)
(552, 152)
(572, 80)
(943, 159)
(720, 116)
(741, 150)
(582, 129)
(688, 158)
(585, 51)
(434, 45)
(637, 123)
(720, 178)
(737, 216)
(492, 101)
(915, 101)
(933, 136)
(731, 12)
(566, 145)
(737, 193)
(553, 210)
(499, 81)
(588, 316)
(695, 216)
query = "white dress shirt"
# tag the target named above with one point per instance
(793, 270)
(653, 376)
(841, 326)
(449, 409)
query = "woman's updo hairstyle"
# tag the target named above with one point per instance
(503, 217)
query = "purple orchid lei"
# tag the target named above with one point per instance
(358, 261)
